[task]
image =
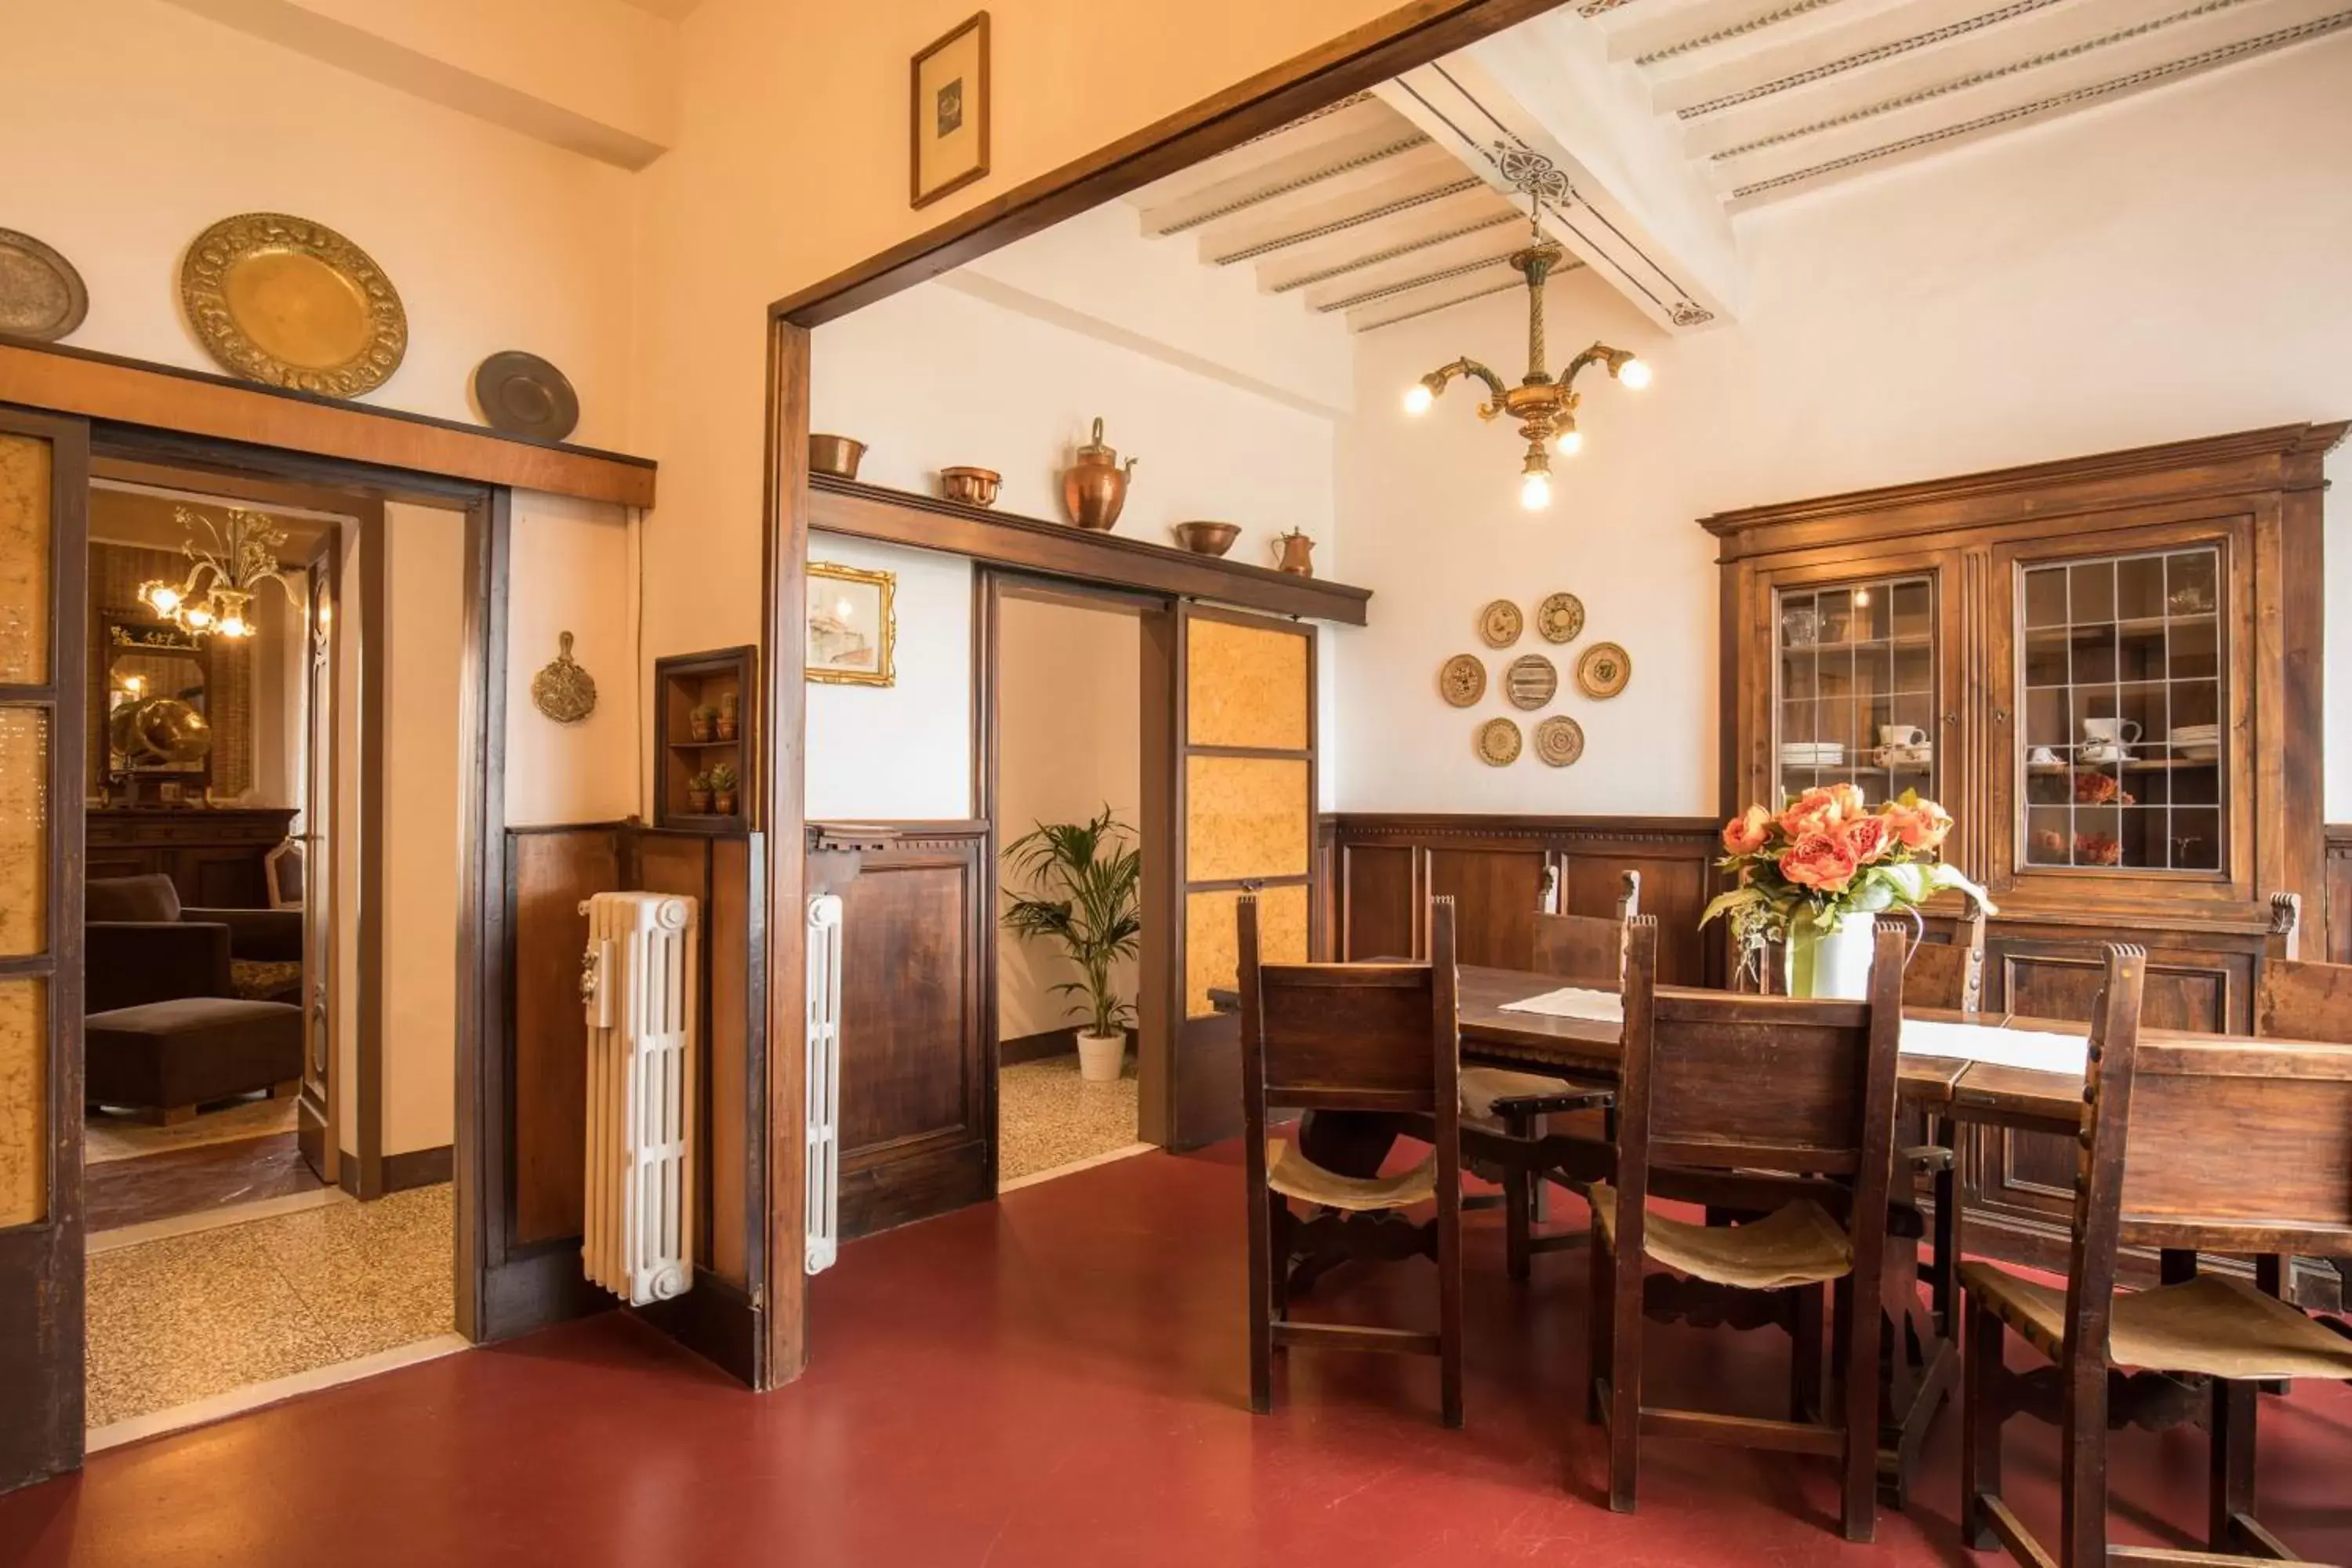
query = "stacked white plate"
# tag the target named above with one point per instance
(2197, 743)
(1813, 754)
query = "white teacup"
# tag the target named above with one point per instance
(1902, 735)
(2111, 732)
(2042, 757)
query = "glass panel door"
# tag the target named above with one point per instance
(2123, 674)
(1856, 682)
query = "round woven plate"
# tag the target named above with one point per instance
(1559, 741)
(523, 394)
(1561, 617)
(41, 295)
(1603, 670)
(1530, 681)
(1499, 624)
(1498, 742)
(1462, 681)
(292, 303)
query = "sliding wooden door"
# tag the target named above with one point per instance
(1236, 769)
(318, 1119)
(44, 503)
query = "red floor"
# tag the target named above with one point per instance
(1058, 1378)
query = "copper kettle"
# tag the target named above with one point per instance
(1094, 487)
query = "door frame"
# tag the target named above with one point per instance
(1413, 35)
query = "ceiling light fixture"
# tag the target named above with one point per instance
(1545, 406)
(217, 594)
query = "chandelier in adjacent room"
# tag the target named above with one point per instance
(1544, 405)
(216, 595)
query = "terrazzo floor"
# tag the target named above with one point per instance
(189, 1316)
(1048, 1116)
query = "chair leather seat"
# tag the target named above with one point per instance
(2212, 1324)
(1797, 1244)
(1481, 1087)
(1294, 1176)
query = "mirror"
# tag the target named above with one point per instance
(158, 725)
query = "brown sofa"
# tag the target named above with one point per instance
(264, 946)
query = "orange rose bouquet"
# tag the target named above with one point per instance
(1827, 856)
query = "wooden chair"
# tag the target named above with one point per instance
(2300, 999)
(1798, 1089)
(1351, 1036)
(2169, 1162)
(1505, 1113)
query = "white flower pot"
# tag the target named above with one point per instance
(1102, 1057)
(1832, 964)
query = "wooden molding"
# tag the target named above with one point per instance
(195, 403)
(1028, 544)
(2335, 917)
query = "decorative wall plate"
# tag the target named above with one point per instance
(1603, 670)
(293, 303)
(1561, 617)
(1498, 742)
(1559, 741)
(1499, 624)
(1463, 680)
(522, 392)
(1531, 680)
(562, 690)
(41, 295)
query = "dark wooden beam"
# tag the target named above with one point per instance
(1030, 544)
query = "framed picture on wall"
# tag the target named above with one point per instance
(950, 149)
(853, 627)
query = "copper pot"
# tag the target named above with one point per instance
(1094, 487)
(1296, 550)
(1207, 538)
(974, 486)
(836, 454)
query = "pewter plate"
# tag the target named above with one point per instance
(41, 295)
(523, 393)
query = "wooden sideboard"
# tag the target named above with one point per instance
(214, 855)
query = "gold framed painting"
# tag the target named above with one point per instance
(852, 626)
(951, 108)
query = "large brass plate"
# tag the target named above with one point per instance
(292, 303)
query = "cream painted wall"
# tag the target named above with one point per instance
(2157, 270)
(1069, 741)
(575, 570)
(901, 751)
(130, 125)
(422, 647)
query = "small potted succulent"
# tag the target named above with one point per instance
(730, 714)
(722, 789)
(698, 794)
(700, 721)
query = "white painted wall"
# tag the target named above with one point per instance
(903, 752)
(2162, 269)
(575, 570)
(1069, 742)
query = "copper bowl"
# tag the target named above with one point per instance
(836, 454)
(1207, 538)
(974, 486)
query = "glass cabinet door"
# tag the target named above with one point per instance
(2122, 750)
(1856, 687)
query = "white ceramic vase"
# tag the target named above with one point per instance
(1834, 963)
(1102, 1057)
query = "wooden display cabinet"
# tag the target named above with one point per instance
(683, 683)
(2113, 665)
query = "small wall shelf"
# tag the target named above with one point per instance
(683, 683)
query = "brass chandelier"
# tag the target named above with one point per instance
(1544, 405)
(216, 595)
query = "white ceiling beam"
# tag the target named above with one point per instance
(1545, 96)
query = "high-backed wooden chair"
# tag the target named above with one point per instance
(2168, 1163)
(1950, 975)
(1505, 1111)
(1351, 1036)
(2299, 999)
(1800, 1089)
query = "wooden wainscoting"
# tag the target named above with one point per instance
(1383, 868)
(917, 1091)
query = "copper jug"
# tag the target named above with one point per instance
(1295, 549)
(1095, 486)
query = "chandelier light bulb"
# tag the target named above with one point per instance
(233, 626)
(1570, 442)
(1418, 398)
(1634, 374)
(1535, 493)
(134, 684)
(198, 617)
(165, 598)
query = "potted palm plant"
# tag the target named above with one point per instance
(1081, 886)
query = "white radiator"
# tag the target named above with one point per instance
(823, 1079)
(638, 981)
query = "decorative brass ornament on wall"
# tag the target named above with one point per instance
(1603, 670)
(1498, 742)
(292, 303)
(1500, 624)
(1559, 618)
(1559, 741)
(41, 295)
(1531, 681)
(1462, 681)
(562, 690)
